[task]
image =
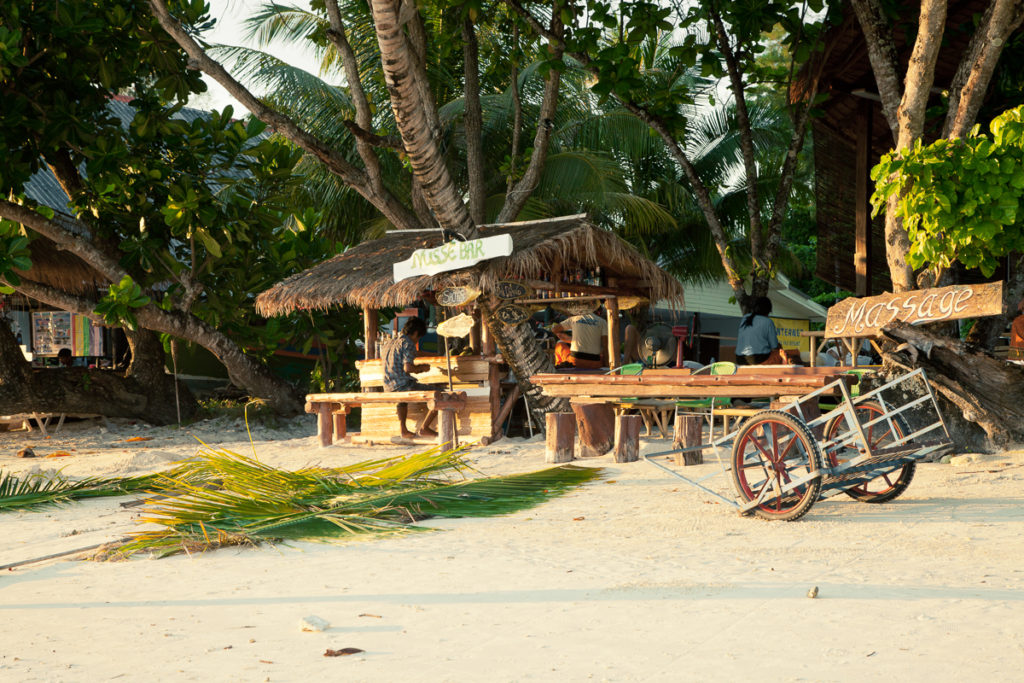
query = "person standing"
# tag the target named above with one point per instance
(397, 356)
(757, 337)
(587, 336)
(1016, 351)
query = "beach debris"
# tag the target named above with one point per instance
(26, 452)
(578, 519)
(813, 593)
(314, 623)
(375, 616)
(138, 438)
(59, 454)
(343, 652)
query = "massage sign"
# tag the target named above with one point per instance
(867, 316)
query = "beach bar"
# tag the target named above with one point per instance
(564, 263)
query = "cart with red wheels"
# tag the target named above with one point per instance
(781, 462)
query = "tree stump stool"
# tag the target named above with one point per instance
(688, 433)
(561, 435)
(595, 426)
(627, 438)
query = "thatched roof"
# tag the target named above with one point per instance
(362, 276)
(60, 269)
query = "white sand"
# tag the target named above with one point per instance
(636, 577)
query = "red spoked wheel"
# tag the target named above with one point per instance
(887, 486)
(773, 450)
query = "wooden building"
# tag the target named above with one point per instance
(562, 262)
(851, 134)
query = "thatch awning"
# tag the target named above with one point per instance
(362, 276)
(60, 269)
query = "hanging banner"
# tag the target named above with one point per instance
(867, 316)
(789, 330)
(452, 256)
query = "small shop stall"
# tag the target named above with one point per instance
(507, 274)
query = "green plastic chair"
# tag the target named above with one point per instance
(705, 407)
(635, 402)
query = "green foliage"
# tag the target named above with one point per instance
(960, 200)
(37, 490)
(14, 255)
(116, 307)
(223, 498)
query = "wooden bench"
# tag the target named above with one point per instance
(331, 410)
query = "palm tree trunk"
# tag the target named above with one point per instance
(425, 157)
(519, 348)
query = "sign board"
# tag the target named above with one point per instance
(56, 330)
(457, 296)
(788, 331)
(508, 289)
(866, 316)
(510, 314)
(452, 256)
(459, 326)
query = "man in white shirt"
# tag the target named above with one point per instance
(588, 339)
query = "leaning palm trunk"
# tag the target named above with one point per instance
(525, 357)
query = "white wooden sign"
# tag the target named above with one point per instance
(452, 256)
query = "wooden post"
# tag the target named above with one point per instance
(340, 414)
(325, 425)
(370, 332)
(611, 304)
(493, 376)
(627, 438)
(862, 199)
(561, 435)
(688, 434)
(446, 436)
(475, 342)
(595, 425)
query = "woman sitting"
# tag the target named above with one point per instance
(757, 337)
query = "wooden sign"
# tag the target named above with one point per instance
(459, 326)
(867, 316)
(452, 256)
(510, 314)
(457, 296)
(509, 289)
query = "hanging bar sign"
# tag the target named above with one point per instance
(452, 256)
(510, 314)
(509, 289)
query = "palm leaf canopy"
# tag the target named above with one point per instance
(362, 275)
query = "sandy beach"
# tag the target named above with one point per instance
(633, 577)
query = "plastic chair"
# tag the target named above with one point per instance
(649, 410)
(705, 407)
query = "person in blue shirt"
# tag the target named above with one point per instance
(397, 356)
(757, 336)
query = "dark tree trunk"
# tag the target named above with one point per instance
(526, 358)
(146, 396)
(985, 390)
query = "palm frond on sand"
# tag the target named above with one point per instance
(222, 498)
(35, 490)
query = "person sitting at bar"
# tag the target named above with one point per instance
(397, 359)
(64, 359)
(1016, 350)
(587, 336)
(757, 337)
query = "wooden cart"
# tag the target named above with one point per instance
(781, 463)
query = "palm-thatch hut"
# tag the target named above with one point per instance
(563, 262)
